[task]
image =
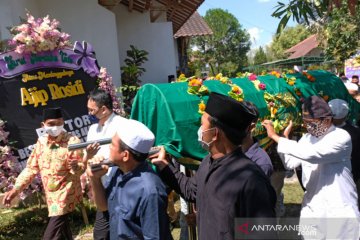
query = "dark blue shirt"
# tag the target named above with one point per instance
(137, 204)
(258, 155)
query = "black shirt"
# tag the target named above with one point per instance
(224, 189)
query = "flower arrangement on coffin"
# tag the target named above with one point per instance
(289, 80)
(309, 76)
(38, 35)
(324, 96)
(182, 78)
(106, 84)
(236, 92)
(196, 86)
(275, 73)
(221, 78)
(257, 84)
(202, 107)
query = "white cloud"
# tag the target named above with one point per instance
(254, 36)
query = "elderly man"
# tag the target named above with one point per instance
(105, 121)
(134, 196)
(60, 172)
(227, 184)
(324, 155)
(340, 111)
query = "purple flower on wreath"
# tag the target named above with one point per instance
(84, 56)
(262, 86)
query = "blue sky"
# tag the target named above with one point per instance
(253, 15)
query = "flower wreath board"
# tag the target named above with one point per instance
(173, 111)
(33, 80)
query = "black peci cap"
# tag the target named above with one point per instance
(229, 114)
(52, 113)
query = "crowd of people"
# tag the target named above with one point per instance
(233, 181)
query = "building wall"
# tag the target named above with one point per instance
(135, 28)
(82, 19)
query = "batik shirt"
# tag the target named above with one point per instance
(50, 158)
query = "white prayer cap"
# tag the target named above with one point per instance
(339, 108)
(136, 135)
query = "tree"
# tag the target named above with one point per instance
(131, 73)
(337, 28)
(340, 45)
(307, 11)
(260, 56)
(289, 37)
(225, 50)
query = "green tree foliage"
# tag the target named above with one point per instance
(307, 11)
(260, 56)
(289, 37)
(341, 35)
(131, 73)
(225, 50)
(336, 22)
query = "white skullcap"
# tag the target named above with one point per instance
(136, 135)
(339, 108)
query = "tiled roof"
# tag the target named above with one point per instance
(303, 48)
(194, 26)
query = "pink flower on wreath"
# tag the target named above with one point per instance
(106, 84)
(252, 77)
(262, 86)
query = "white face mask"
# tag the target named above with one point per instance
(54, 131)
(204, 145)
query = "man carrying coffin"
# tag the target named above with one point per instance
(330, 199)
(227, 184)
(134, 196)
(105, 123)
(60, 172)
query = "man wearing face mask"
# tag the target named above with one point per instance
(105, 123)
(324, 155)
(60, 172)
(227, 184)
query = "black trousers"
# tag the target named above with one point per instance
(101, 226)
(58, 228)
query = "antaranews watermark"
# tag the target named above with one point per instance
(293, 228)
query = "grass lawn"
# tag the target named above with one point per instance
(30, 223)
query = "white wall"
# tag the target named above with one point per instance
(82, 19)
(135, 28)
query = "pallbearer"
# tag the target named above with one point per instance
(227, 184)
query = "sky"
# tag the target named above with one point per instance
(253, 15)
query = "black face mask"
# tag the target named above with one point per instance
(93, 118)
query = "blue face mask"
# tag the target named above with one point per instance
(93, 119)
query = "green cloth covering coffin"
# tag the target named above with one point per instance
(172, 113)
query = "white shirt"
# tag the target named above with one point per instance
(351, 86)
(326, 175)
(96, 132)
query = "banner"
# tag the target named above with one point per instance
(29, 83)
(352, 66)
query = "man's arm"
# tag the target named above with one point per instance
(98, 189)
(75, 158)
(319, 153)
(183, 185)
(25, 177)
